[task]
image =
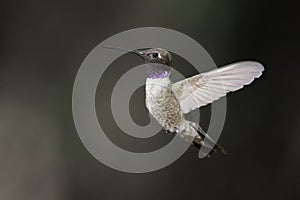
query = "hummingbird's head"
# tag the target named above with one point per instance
(159, 60)
(155, 55)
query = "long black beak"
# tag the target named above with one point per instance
(136, 52)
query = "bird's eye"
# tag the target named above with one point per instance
(155, 55)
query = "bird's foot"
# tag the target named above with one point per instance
(170, 132)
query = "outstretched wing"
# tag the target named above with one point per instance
(204, 88)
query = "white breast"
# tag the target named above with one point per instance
(155, 86)
(162, 103)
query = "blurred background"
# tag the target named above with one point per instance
(42, 45)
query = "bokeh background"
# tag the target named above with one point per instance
(42, 45)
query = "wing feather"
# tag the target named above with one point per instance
(204, 88)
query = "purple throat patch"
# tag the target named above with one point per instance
(155, 75)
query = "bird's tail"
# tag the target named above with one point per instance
(207, 146)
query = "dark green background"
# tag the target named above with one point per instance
(42, 45)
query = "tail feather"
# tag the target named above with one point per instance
(205, 143)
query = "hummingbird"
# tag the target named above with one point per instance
(168, 102)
